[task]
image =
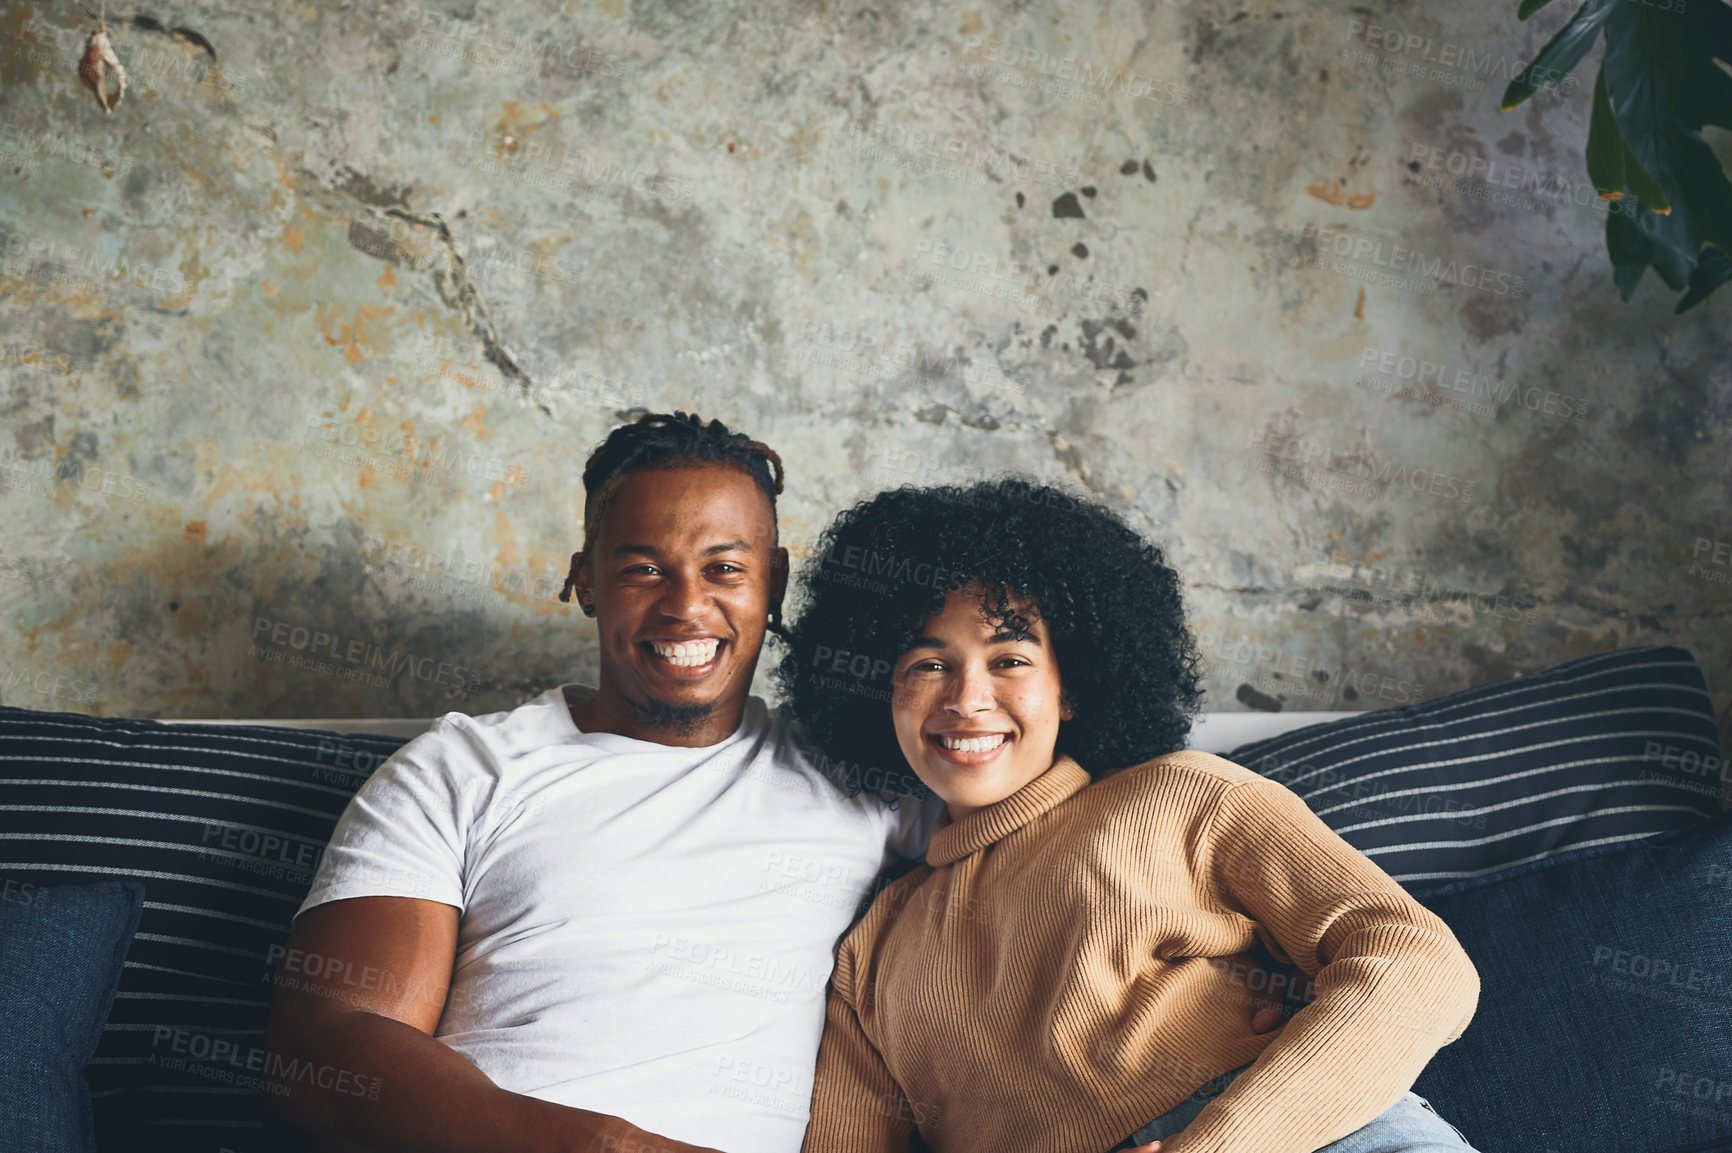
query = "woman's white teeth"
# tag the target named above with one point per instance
(687, 654)
(972, 744)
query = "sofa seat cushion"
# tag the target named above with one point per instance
(1605, 1010)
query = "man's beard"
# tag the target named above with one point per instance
(680, 720)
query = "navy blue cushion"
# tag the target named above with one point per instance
(61, 950)
(224, 826)
(1599, 751)
(1605, 1011)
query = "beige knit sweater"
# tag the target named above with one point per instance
(1067, 966)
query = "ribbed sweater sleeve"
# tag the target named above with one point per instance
(857, 1107)
(1393, 984)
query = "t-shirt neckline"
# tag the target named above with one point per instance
(564, 702)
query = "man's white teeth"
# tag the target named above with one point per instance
(973, 744)
(687, 654)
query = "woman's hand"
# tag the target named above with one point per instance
(1266, 1014)
(1272, 987)
(1266, 1010)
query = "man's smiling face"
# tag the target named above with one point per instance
(683, 571)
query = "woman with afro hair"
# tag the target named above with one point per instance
(1069, 970)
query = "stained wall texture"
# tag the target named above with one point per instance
(306, 342)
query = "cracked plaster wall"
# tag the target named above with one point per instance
(315, 330)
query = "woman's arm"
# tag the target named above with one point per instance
(857, 1107)
(1393, 984)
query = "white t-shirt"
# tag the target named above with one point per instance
(646, 930)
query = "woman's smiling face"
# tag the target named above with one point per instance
(976, 709)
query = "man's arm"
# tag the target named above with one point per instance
(352, 1059)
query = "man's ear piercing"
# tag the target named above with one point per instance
(588, 608)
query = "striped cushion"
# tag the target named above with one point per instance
(224, 825)
(1448, 792)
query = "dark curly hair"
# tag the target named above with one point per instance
(1111, 605)
(667, 440)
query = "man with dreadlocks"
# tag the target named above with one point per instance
(604, 920)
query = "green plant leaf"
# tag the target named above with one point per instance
(1712, 270)
(1630, 251)
(1646, 188)
(1605, 143)
(1564, 51)
(1663, 85)
(1658, 84)
(1673, 244)
(1611, 166)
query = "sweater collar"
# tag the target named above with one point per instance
(955, 840)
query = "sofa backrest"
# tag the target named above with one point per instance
(1211, 732)
(225, 823)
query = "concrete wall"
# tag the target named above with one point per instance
(310, 337)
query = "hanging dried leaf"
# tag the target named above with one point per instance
(99, 58)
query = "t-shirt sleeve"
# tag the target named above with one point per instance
(405, 831)
(907, 827)
(911, 824)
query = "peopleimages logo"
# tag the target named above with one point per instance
(1718, 567)
(1719, 552)
(46, 684)
(356, 655)
(977, 158)
(1088, 77)
(1400, 258)
(988, 274)
(1283, 445)
(402, 453)
(19, 254)
(180, 1049)
(1548, 186)
(896, 359)
(1457, 58)
(726, 967)
(1425, 373)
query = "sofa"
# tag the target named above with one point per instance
(1569, 826)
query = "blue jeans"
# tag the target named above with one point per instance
(1410, 1125)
